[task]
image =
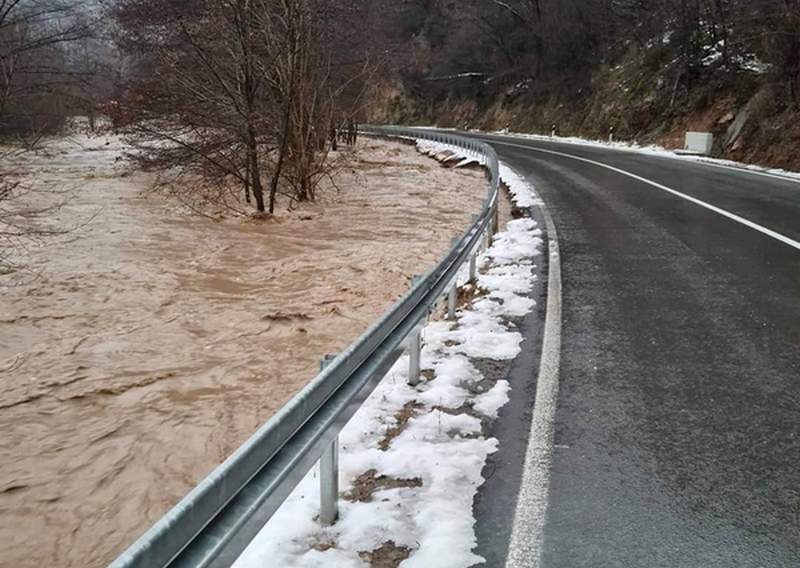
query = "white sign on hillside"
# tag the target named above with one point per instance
(699, 143)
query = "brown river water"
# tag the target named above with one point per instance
(141, 348)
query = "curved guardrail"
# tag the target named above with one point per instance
(215, 522)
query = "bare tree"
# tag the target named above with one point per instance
(234, 91)
(37, 92)
(320, 77)
(35, 78)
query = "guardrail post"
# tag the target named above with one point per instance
(329, 473)
(414, 347)
(452, 293)
(473, 268)
(452, 297)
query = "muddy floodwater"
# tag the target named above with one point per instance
(141, 348)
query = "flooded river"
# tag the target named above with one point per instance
(140, 349)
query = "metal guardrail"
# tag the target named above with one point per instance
(215, 522)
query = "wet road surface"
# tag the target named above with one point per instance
(677, 437)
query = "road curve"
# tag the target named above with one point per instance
(677, 427)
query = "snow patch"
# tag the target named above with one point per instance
(521, 191)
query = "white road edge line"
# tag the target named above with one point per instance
(525, 546)
(700, 161)
(769, 232)
(740, 169)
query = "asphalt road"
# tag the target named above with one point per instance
(677, 440)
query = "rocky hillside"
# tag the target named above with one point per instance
(649, 69)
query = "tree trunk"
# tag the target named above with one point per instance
(273, 188)
(247, 178)
(255, 171)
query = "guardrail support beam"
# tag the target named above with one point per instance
(473, 268)
(452, 294)
(329, 484)
(414, 347)
(473, 259)
(452, 297)
(329, 474)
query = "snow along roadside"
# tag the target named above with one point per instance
(411, 458)
(652, 150)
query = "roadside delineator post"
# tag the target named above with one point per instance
(329, 472)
